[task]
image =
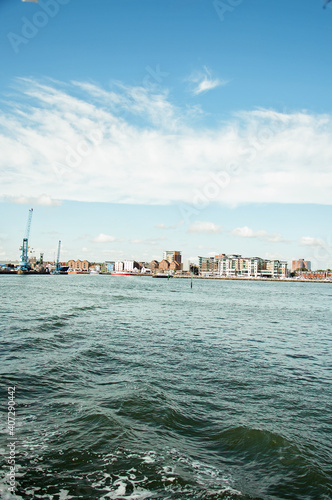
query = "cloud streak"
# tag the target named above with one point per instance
(131, 145)
(202, 81)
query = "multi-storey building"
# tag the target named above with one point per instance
(118, 266)
(236, 265)
(206, 264)
(301, 264)
(131, 265)
(109, 266)
(172, 256)
(78, 265)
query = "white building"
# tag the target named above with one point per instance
(119, 266)
(250, 267)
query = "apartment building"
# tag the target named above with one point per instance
(172, 256)
(236, 265)
(301, 264)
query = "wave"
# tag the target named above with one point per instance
(125, 475)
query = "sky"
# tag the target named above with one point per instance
(137, 127)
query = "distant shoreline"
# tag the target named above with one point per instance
(282, 280)
(220, 278)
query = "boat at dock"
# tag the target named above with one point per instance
(121, 273)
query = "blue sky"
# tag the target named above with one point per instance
(135, 127)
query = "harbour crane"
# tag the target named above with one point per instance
(57, 267)
(24, 264)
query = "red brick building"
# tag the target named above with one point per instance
(154, 264)
(301, 264)
(315, 275)
(164, 265)
(174, 266)
(78, 265)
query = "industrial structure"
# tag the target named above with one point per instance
(24, 264)
(57, 266)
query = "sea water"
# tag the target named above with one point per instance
(142, 388)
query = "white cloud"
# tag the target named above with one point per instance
(202, 81)
(130, 145)
(43, 200)
(104, 238)
(308, 241)
(166, 227)
(320, 251)
(204, 227)
(247, 232)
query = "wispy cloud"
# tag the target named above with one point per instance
(202, 81)
(42, 200)
(167, 227)
(247, 232)
(204, 227)
(131, 145)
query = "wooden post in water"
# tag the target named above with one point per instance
(191, 281)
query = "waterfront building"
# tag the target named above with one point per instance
(119, 266)
(153, 265)
(109, 266)
(186, 265)
(174, 266)
(172, 256)
(232, 266)
(206, 264)
(301, 264)
(315, 275)
(164, 265)
(276, 269)
(145, 270)
(131, 266)
(229, 265)
(78, 265)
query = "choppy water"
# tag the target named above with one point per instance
(138, 388)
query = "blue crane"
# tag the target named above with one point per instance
(24, 264)
(57, 268)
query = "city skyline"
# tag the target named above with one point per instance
(133, 128)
